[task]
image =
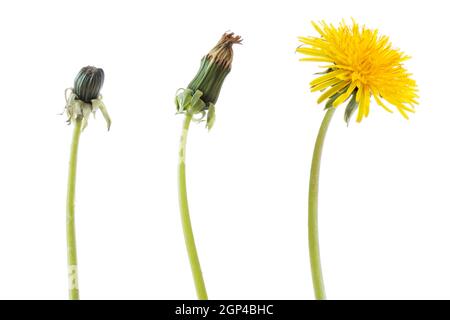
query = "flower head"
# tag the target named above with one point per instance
(88, 83)
(359, 64)
(203, 91)
(84, 98)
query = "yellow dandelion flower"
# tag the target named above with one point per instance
(359, 64)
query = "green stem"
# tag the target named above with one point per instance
(313, 227)
(185, 219)
(70, 218)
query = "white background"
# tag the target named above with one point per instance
(384, 197)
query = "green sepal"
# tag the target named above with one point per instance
(79, 110)
(86, 112)
(324, 72)
(199, 117)
(211, 118)
(98, 104)
(183, 99)
(351, 108)
(331, 100)
(188, 101)
(197, 104)
(334, 97)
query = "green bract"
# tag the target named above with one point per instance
(188, 101)
(352, 105)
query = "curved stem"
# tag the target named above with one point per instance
(313, 227)
(185, 219)
(70, 217)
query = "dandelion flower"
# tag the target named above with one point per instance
(359, 64)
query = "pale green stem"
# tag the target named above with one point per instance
(313, 227)
(70, 217)
(185, 219)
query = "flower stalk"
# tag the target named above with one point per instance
(185, 217)
(313, 204)
(72, 261)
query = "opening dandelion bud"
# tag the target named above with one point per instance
(203, 91)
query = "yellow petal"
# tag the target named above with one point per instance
(325, 84)
(362, 104)
(332, 91)
(326, 77)
(381, 104)
(345, 96)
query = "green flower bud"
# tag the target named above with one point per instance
(203, 91)
(214, 68)
(84, 98)
(88, 83)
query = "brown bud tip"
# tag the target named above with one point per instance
(222, 53)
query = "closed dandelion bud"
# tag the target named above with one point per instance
(88, 83)
(84, 98)
(203, 91)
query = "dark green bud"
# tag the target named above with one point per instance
(88, 83)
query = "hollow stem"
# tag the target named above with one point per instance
(70, 217)
(313, 227)
(185, 218)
